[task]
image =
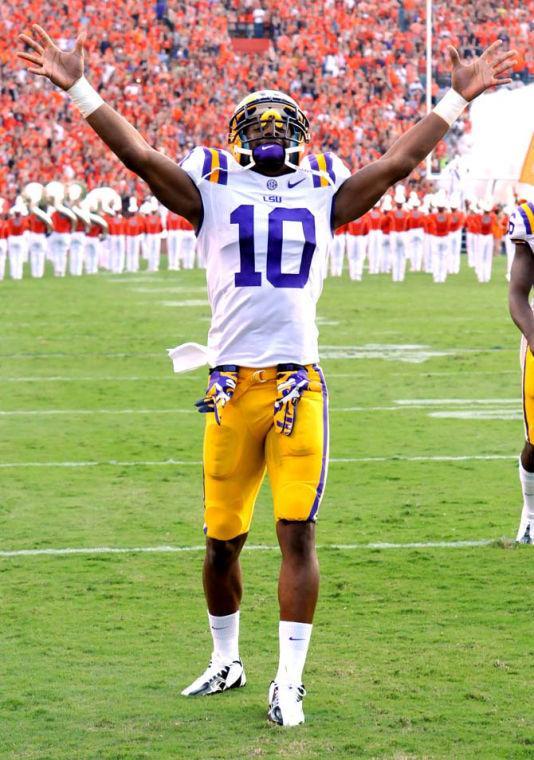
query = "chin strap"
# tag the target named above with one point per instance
(287, 162)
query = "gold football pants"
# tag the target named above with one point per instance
(239, 451)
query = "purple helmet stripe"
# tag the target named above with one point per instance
(315, 166)
(324, 461)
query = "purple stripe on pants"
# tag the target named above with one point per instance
(324, 462)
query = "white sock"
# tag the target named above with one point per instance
(294, 642)
(225, 634)
(527, 487)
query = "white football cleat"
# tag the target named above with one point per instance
(285, 704)
(217, 677)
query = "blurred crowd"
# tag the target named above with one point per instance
(357, 69)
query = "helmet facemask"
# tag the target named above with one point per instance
(268, 130)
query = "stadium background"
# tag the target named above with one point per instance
(421, 650)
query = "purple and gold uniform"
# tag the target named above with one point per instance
(264, 241)
(521, 230)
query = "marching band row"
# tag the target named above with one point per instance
(82, 232)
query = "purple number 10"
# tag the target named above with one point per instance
(247, 276)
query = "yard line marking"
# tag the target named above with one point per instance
(40, 412)
(454, 401)
(253, 548)
(197, 463)
(407, 407)
(102, 378)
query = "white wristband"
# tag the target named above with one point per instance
(450, 106)
(84, 97)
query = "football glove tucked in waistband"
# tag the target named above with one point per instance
(291, 382)
(221, 386)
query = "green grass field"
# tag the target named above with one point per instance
(418, 651)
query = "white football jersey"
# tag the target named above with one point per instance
(265, 242)
(521, 225)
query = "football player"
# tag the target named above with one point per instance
(264, 214)
(521, 232)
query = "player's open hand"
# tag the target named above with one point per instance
(489, 70)
(47, 60)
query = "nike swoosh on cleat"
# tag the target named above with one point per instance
(289, 184)
(292, 638)
(219, 627)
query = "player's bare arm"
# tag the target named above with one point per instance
(169, 183)
(363, 189)
(521, 282)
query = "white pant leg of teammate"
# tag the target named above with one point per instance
(398, 256)
(374, 250)
(77, 245)
(3, 257)
(485, 258)
(173, 250)
(133, 249)
(154, 251)
(16, 246)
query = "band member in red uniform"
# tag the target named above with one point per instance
(457, 220)
(374, 243)
(134, 228)
(398, 237)
(337, 251)
(386, 225)
(357, 235)
(485, 243)
(17, 243)
(440, 229)
(416, 227)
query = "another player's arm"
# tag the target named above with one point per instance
(362, 190)
(169, 183)
(521, 282)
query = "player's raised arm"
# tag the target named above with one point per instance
(361, 191)
(169, 183)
